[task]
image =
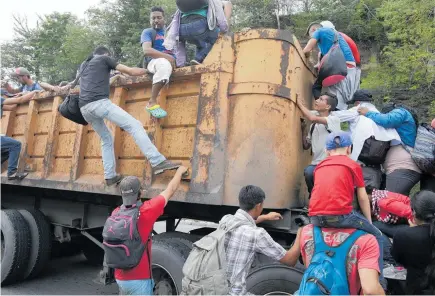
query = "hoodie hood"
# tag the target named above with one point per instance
(241, 217)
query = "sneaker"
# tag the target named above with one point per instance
(395, 272)
(17, 176)
(166, 165)
(194, 63)
(115, 180)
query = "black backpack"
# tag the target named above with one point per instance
(189, 5)
(70, 108)
(374, 151)
(122, 242)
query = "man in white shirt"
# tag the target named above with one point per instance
(323, 122)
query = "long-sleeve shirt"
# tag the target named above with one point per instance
(401, 120)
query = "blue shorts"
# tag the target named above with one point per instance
(136, 287)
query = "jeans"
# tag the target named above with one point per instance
(136, 287)
(389, 230)
(96, 112)
(309, 177)
(401, 181)
(357, 221)
(198, 33)
(13, 147)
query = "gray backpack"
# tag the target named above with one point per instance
(122, 243)
(205, 270)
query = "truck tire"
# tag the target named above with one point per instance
(93, 253)
(274, 279)
(15, 246)
(40, 242)
(175, 234)
(168, 258)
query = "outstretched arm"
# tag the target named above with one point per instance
(20, 100)
(173, 185)
(307, 113)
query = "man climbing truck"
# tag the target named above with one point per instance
(229, 121)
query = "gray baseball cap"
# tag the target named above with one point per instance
(21, 71)
(130, 187)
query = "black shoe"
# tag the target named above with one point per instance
(17, 176)
(115, 180)
(166, 165)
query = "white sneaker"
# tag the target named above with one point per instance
(395, 272)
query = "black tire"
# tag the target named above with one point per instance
(175, 234)
(168, 258)
(40, 244)
(15, 244)
(93, 253)
(274, 278)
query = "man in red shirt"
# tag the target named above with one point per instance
(137, 280)
(362, 259)
(335, 179)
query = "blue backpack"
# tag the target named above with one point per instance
(327, 273)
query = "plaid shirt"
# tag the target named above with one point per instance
(241, 245)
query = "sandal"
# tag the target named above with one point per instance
(156, 111)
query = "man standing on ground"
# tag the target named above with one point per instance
(138, 280)
(160, 61)
(96, 106)
(242, 243)
(322, 123)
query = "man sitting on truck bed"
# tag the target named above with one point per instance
(159, 60)
(323, 122)
(243, 242)
(138, 280)
(10, 145)
(96, 106)
(22, 75)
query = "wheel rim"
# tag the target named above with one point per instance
(164, 282)
(2, 245)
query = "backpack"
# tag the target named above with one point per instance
(374, 151)
(423, 153)
(189, 5)
(333, 68)
(327, 274)
(70, 108)
(122, 244)
(205, 270)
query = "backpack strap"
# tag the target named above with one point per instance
(153, 37)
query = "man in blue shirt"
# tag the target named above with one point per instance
(27, 83)
(324, 39)
(160, 61)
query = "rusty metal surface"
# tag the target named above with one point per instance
(231, 120)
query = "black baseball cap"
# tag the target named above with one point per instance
(130, 187)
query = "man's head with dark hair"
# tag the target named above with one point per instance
(251, 200)
(157, 18)
(102, 50)
(327, 102)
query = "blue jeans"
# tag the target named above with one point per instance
(357, 221)
(198, 33)
(309, 177)
(136, 287)
(96, 112)
(13, 147)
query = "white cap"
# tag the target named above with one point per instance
(327, 24)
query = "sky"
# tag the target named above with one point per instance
(32, 8)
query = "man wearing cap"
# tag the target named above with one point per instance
(322, 123)
(362, 127)
(23, 77)
(335, 180)
(137, 280)
(324, 38)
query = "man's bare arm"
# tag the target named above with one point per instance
(132, 71)
(49, 87)
(173, 185)
(364, 203)
(370, 282)
(20, 100)
(310, 45)
(292, 255)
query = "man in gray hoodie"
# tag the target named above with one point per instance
(243, 242)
